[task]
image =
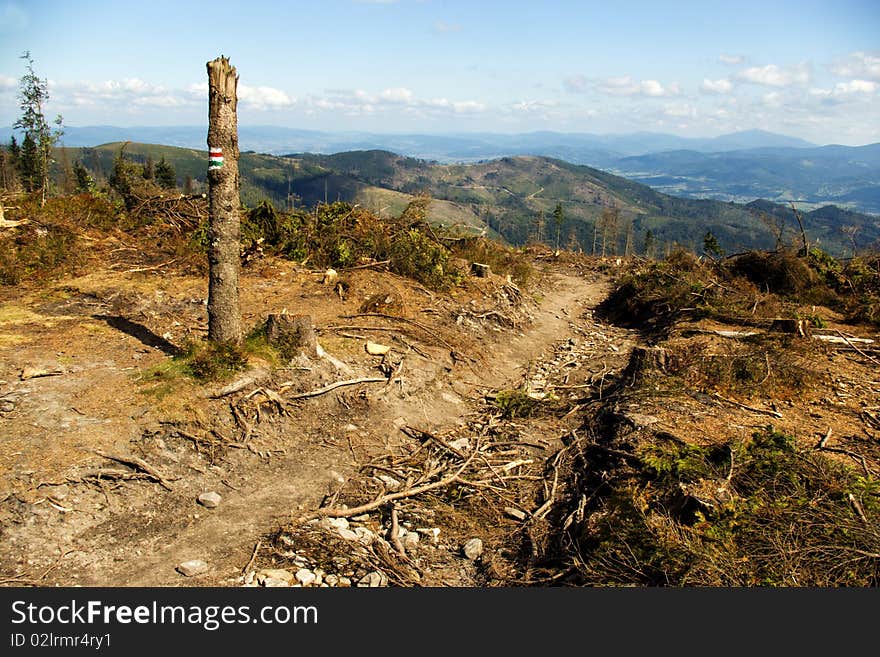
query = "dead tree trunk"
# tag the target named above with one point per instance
(797, 215)
(224, 316)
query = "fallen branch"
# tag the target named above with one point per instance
(334, 386)
(154, 267)
(853, 455)
(381, 263)
(240, 384)
(250, 563)
(137, 464)
(330, 512)
(418, 434)
(851, 344)
(395, 530)
(426, 329)
(544, 509)
(775, 414)
(857, 507)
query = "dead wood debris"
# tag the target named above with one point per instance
(137, 464)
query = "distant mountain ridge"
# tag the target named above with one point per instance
(512, 196)
(277, 140)
(740, 167)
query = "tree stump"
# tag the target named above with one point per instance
(799, 327)
(644, 361)
(224, 315)
(292, 335)
(480, 270)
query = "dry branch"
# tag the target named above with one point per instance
(395, 530)
(334, 386)
(137, 464)
(762, 411)
(330, 512)
(253, 558)
(418, 434)
(851, 344)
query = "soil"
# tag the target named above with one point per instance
(84, 368)
(87, 374)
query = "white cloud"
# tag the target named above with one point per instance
(7, 82)
(160, 101)
(856, 87)
(397, 95)
(864, 65)
(722, 86)
(680, 110)
(731, 60)
(133, 93)
(772, 75)
(262, 98)
(843, 89)
(359, 102)
(442, 27)
(626, 86)
(531, 106)
(772, 99)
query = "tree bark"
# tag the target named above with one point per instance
(224, 315)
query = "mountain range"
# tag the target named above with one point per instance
(514, 197)
(741, 167)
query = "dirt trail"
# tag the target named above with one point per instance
(135, 534)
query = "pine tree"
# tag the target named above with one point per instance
(149, 169)
(84, 181)
(558, 218)
(30, 164)
(711, 246)
(650, 244)
(165, 175)
(9, 166)
(36, 155)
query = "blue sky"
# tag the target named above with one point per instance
(807, 69)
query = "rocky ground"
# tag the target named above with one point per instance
(115, 470)
(449, 456)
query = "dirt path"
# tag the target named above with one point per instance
(135, 534)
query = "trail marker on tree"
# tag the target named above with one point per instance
(224, 315)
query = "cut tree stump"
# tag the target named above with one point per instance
(646, 360)
(292, 334)
(480, 270)
(224, 264)
(799, 327)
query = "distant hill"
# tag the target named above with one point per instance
(580, 148)
(740, 167)
(286, 182)
(844, 175)
(508, 196)
(511, 193)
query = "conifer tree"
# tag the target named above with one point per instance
(165, 175)
(39, 138)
